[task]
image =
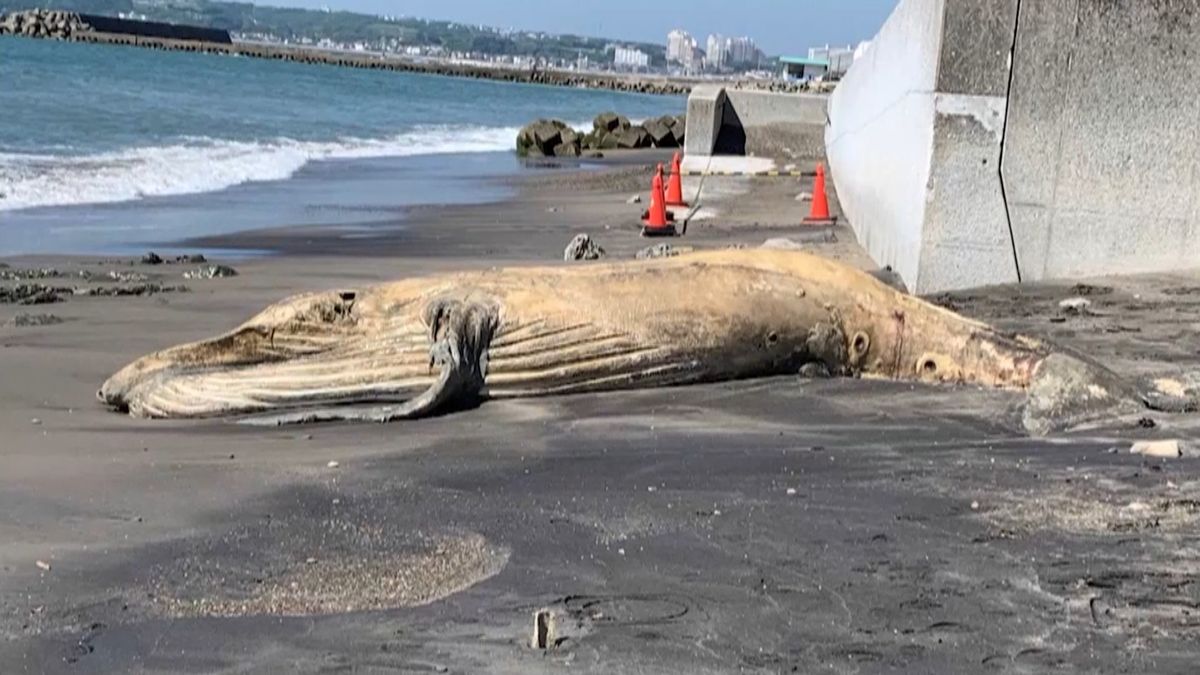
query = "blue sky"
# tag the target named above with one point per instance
(779, 26)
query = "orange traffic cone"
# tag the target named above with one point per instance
(819, 215)
(675, 186)
(656, 222)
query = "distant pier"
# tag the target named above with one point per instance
(69, 26)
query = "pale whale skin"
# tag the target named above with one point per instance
(424, 345)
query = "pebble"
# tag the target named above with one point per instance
(804, 197)
(636, 199)
(974, 506)
(1169, 449)
(621, 551)
(791, 491)
(310, 561)
(43, 565)
(35, 421)
(333, 464)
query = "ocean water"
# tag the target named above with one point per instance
(104, 148)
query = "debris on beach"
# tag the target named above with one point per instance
(9, 274)
(131, 290)
(30, 320)
(1075, 306)
(195, 259)
(583, 248)
(210, 272)
(42, 565)
(40, 294)
(125, 277)
(661, 251)
(31, 294)
(152, 258)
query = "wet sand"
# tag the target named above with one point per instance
(777, 525)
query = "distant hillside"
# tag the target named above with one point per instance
(349, 28)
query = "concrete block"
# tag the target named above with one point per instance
(705, 114)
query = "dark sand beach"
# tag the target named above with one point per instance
(777, 525)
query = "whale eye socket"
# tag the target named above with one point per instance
(860, 344)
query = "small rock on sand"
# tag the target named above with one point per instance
(1168, 449)
(636, 199)
(333, 464)
(43, 565)
(804, 197)
(582, 248)
(152, 258)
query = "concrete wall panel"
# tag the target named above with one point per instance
(880, 137)
(977, 39)
(1103, 147)
(966, 236)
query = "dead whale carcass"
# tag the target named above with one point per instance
(418, 346)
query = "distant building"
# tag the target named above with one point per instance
(629, 57)
(742, 51)
(680, 44)
(839, 58)
(717, 55)
(802, 68)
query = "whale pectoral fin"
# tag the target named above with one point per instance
(461, 332)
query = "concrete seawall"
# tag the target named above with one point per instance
(1082, 158)
(726, 120)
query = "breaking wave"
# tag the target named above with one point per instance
(196, 165)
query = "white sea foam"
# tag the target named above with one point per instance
(205, 165)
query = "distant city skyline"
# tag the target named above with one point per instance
(777, 26)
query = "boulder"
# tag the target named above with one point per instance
(582, 248)
(152, 258)
(606, 121)
(623, 122)
(609, 142)
(678, 130)
(633, 137)
(566, 150)
(569, 136)
(540, 137)
(660, 134)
